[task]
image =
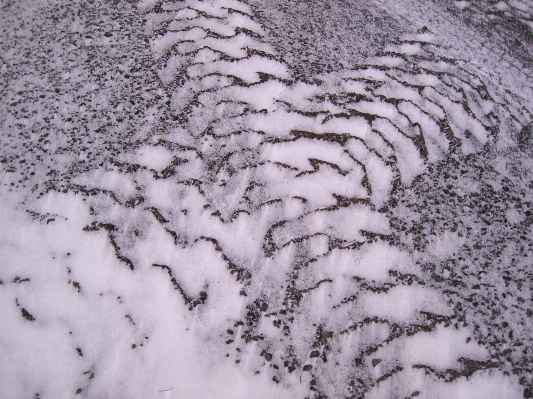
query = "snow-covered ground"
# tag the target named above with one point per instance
(245, 199)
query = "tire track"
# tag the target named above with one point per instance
(283, 187)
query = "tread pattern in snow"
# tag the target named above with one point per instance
(288, 183)
(278, 190)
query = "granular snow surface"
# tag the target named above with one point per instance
(266, 199)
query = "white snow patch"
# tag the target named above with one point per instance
(445, 245)
(107, 180)
(519, 5)
(154, 157)
(402, 303)
(137, 338)
(461, 4)
(145, 5)
(501, 6)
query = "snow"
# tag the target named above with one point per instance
(408, 302)
(247, 229)
(501, 6)
(462, 4)
(169, 358)
(153, 157)
(245, 69)
(519, 5)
